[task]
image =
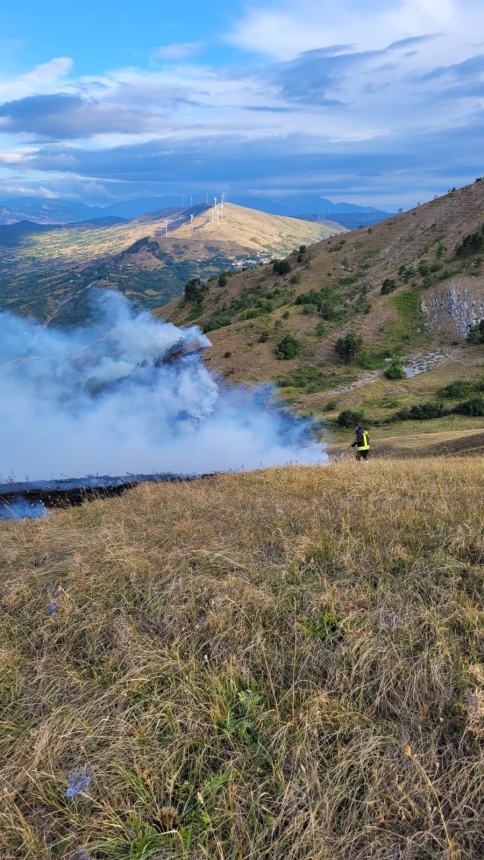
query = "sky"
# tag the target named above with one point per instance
(375, 102)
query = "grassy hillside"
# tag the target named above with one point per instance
(407, 289)
(45, 272)
(275, 665)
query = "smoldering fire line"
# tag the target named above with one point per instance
(130, 394)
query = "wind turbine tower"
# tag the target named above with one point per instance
(191, 223)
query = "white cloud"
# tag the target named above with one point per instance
(176, 51)
(294, 27)
(44, 78)
(402, 66)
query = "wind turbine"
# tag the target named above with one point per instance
(191, 223)
(166, 227)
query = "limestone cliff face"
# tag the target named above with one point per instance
(454, 306)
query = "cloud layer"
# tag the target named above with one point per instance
(354, 100)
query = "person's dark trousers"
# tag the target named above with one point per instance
(362, 455)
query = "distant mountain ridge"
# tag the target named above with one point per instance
(46, 269)
(53, 211)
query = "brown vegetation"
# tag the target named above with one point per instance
(275, 665)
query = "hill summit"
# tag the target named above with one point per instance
(44, 271)
(329, 320)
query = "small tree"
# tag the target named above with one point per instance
(388, 286)
(349, 347)
(395, 370)
(423, 268)
(222, 281)
(281, 267)
(194, 290)
(287, 348)
(473, 407)
(348, 418)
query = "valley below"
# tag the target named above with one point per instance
(46, 271)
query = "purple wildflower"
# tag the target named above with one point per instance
(52, 607)
(78, 782)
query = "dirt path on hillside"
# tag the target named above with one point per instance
(413, 366)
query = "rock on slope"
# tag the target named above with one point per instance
(454, 306)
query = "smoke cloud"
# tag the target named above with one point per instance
(130, 394)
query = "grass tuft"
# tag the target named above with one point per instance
(279, 665)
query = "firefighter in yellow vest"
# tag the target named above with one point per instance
(361, 443)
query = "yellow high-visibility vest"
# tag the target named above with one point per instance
(366, 443)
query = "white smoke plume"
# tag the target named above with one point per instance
(130, 394)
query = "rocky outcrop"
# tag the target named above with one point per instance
(454, 306)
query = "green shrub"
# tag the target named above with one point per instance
(471, 244)
(295, 279)
(461, 388)
(474, 407)
(422, 412)
(348, 418)
(222, 281)
(323, 300)
(288, 347)
(476, 333)
(423, 268)
(395, 370)
(195, 290)
(406, 273)
(308, 376)
(216, 322)
(388, 286)
(310, 298)
(349, 347)
(320, 329)
(251, 314)
(370, 360)
(282, 267)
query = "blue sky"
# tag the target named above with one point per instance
(377, 102)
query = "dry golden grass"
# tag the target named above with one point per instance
(278, 665)
(430, 442)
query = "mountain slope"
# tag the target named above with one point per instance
(54, 211)
(433, 290)
(46, 274)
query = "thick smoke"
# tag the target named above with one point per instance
(130, 394)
